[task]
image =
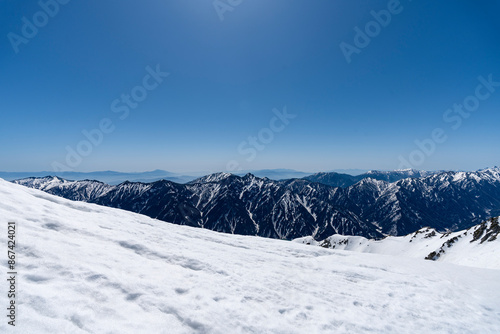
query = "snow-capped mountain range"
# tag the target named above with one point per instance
(294, 208)
(113, 177)
(85, 268)
(110, 177)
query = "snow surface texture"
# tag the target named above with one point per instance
(473, 247)
(90, 269)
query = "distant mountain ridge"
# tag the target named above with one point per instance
(294, 208)
(110, 177)
(274, 174)
(113, 177)
(345, 180)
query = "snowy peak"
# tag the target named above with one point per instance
(372, 182)
(43, 183)
(216, 177)
(75, 190)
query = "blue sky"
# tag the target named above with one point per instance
(227, 76)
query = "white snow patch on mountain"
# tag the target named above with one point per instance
(461, 247)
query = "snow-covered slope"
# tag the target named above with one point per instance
(84, 268)
(478, 246)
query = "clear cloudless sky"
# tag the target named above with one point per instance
(227, 76)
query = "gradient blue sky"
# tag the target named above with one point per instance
(227, 76)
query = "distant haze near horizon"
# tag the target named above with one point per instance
(116, 177)
(310, 85)
(353, 171)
